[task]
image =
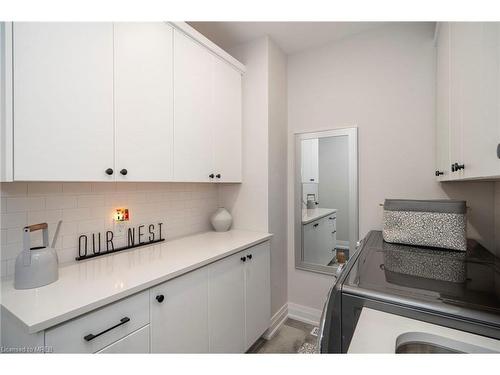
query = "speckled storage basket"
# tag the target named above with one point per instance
(433, 223)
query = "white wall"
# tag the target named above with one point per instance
(260, 203)
(248, 202)
(382, 81)
(277, 174)
(88, 208)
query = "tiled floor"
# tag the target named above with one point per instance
(288, 339)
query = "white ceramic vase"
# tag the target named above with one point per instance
(221, 220)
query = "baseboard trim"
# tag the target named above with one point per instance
(277, 321)
(304, 314)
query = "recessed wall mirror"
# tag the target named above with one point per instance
(326, 199)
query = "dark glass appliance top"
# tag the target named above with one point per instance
(463, 284)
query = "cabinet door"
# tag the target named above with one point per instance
(136, 342)
(227, 122)
(458, 68)
(179, 322)
(480, 126)
(325, 250)
(258, 292)
(63, 101)
(310, 242)
(443, 162)
(193, 120)
(310, 166)
(144, 101)
(226, 305)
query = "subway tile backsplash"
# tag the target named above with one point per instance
(88, 208)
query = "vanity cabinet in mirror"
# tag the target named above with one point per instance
(326, 199)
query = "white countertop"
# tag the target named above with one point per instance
(309, 215)
(377, 332)
(93, 283)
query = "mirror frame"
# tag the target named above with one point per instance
(352, 134)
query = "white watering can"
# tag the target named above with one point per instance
(36, 266)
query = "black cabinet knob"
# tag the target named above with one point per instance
(454, 167)
(249, 256)
(218, 175)
(160, 298)
(459, 166)
(109, 171)
(438, 173)
(123, 172)
(211, 175)
(243, 259)
(311, 179)
(315, 225)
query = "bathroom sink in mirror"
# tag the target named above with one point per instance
(326, 199)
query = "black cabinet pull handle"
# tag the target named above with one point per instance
(160, 298)
(315, 225)
(459, 166)
(124, 172)
(211, 175)
(311, 179)
(249, 256)
(331, 218)
(438, 173)
(453, 167)
(243, 259)
(91, 336)
(218, 175)
(109, 171)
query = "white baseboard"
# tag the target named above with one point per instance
(277, 321)
(304, 314)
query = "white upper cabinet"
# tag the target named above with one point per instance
(144, 102)
(207, 115)
(193, 69)
(118, 102)
(63, 101)
(227, 122)
(468, 126)
(480, 133)
(443, 103)
(310, 161)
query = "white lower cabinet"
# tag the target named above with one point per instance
(136, 342)
(258, 292)
(226, 305)
(100, 328)
(223, 307)
(239, 299)
(320, 240)
(179, 314)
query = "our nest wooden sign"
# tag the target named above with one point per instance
(96, 244)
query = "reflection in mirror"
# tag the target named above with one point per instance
(327, 180)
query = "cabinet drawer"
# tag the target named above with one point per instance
(112, 320)
(136, 342)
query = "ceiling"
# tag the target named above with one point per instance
(290, 36)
